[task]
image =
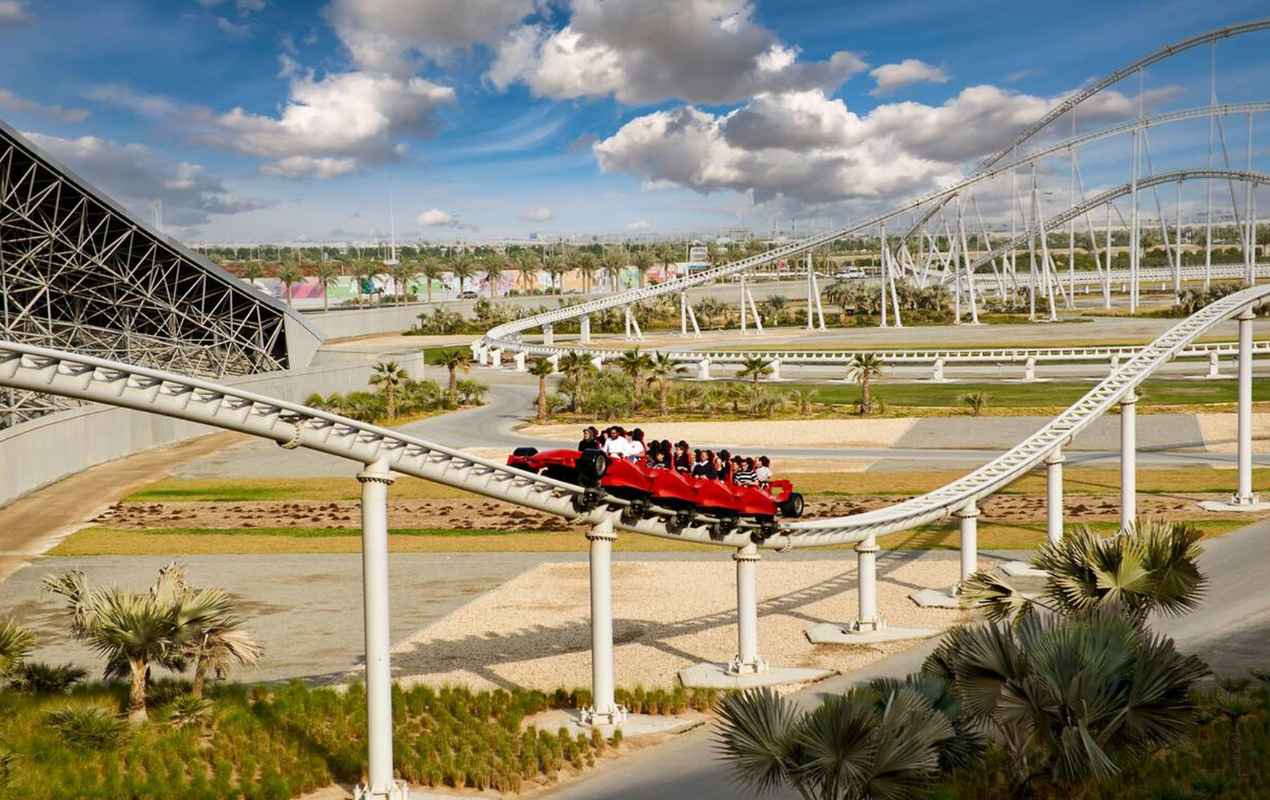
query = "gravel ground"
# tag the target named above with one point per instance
(534, 630)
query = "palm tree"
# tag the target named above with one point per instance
(755, 367)
(614, 261)
(389, 377)
(804, 397)
(864, 368)
(975, 401)
(633, 365)
(1149, 568)
(16, 643)
(576, 367)
(528, 265)
(556, 267)
(494, 265)
(455, 360)
(462, 268)
(541, 368)
(643, 262)
(365, 277)
(327, 273)
(290, 275)
(402, 274)
(857, 745)
(253, 271)
(584, 263)
(662, 369)
(432, 270)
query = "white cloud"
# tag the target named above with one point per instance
(245, 7)
(12, 102)
(147, 105)
(909, 71)
(13, 12)
(436, 218)
(232, 28)
(308, 166)
(137, 176)
(539, 214)
(388, 35)
(808, 148)
(646, 51)
(639, 226)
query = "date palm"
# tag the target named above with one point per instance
(455, 360)
(541, 368)
(556, 267)
(402, 274)
(494, 265)
(290, 275)
(432, 270)
(327, 273)
(975, 401)
(585, 265)
(528, 265)
(853, 746)
(462, 268)
(754, 368)
(863, 369)
(643, 262)
(390, 378)
(577, 368)
(253, 271)
(16, 643)
(614, 261)
(662, 369)
(633, 365)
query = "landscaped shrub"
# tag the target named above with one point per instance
(39, 678)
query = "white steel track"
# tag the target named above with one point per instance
(292, 425)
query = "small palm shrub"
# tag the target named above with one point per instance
(90, 728)
(40, 678)
(187, 711)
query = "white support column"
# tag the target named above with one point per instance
(597, 361)
(703, 369)
(548, 335)
(744, 324)
(776, 370)
(758, 321)
(1128, 460)
(1214, 365)
(867, 576)
(692, 318)
(747, 661)
(482, 357)
(639, 334)
(605, 710)
(683, 313)
(969, 516)
(626, 319)
(811, 283)
(375, 480)
(1054, 495)
(585, 336)
(1244, 495)
(1115, 363)
(937, 371)
(554, 360)
(496, 358)
(1029, 369)
(520, 362)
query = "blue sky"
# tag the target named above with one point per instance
(268, 119)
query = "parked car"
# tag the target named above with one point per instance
(641, 486)
(469, 294)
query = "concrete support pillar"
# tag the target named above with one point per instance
(597, 362)
(520, 362)
(776, 369)
(496, 358)
(482, 356)
(585, 337)
(866, 555)
(626, 319)
(683, 313)
(554, 360)
(937, 371)
(1054, 495)
(1214, 365)
(1115, 363)
(1244, 495)
(1128, 460)
(969, 516)
(747, 660)
(605, 710)
(548, 335)
(375, 480)
(1029, 369)
(703, 369)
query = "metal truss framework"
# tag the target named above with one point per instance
(78, 273)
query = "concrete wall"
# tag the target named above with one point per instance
(50, 448)
(380, 319)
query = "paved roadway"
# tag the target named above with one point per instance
(1231, 631)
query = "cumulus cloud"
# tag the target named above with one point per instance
(436, 218)
(12, 102)
(808, 148)
(138, 177)
(329, 126)
(539, 214)
(639, 226)
(230, 28)
(646, 51)
(909, 71)
(13, 12)
(390, 35)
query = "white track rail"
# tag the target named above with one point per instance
(292, 425)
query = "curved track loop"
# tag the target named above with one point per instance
(293, 425)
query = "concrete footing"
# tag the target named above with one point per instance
(1022, 569)
(936, 598)
(837, 633)
(709, 675)
(1257, 505)
(632, 725)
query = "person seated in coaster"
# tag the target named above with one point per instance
(590, 439)
(698, 464)
(615, 442)
(683, 459)
(745, 473)
(724, 466)
(763, 473)
(636, 450)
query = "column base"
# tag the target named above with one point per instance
(709, 675)
(837, 633)
(398, 790)
(937, 598)
(738, 667)
(594, 718)
(1235, 503)
(1022, 569)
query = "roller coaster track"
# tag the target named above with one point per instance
(291, 425)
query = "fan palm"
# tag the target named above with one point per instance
(432, 270)
(1151, 568)
(662, 369)
(253, 272)
(541, 368)
(614, 261)
(577, 368)
(975, 401)
(633, 365)
(585, 264)
(455, 360)
(402, 274)
(863, 369)
(755, 367)
(494, 265)
(16, 643)
(462, 268)
(290, 275)
(804, 398)
(528, 265)
(389, 377)
(643, 262)
(858, 745)
(327, 274)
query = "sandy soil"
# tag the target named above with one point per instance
(791, 433)
(534, 630)
(1220, 430)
